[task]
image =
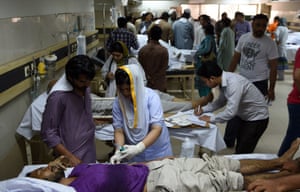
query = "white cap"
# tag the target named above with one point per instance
(51, 57)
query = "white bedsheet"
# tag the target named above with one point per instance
(210, 138)
(26, 184)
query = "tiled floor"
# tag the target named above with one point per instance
(271, 139)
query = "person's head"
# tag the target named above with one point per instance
(50, 173)
(239, 16)
(165, 16)
(186, 13)
(282, 21)
(123, 82)
(80, 70)
(210, 73)
(148, 16)
(173, 15)
(204, 20)
(155, 33)
(129, 18)
(209, 29)
(226, 22)
(119, 51)
(276, 19)
(259, 25)
(130, 81)
(224, 16)
(122, 21)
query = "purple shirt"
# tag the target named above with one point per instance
(68, 120)
(241, 28)
(109, 178)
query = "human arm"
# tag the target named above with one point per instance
(296, 77)
(107, 68)
(235, 60)
(272, 79)
(231, 96)
(134, 42)
(51, 127)
(292, 166)
(60, 149)
(204, 47)
(154, 125)
(281, 184)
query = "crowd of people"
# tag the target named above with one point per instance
(140, 133)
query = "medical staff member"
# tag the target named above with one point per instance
(119, 56)
(139, 130)
(67, 123)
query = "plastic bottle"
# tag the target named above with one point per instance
(187, 148)
(81, 45)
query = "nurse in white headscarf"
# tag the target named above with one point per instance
(139, 129)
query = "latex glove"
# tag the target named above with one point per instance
(116, 158)
(132, 150)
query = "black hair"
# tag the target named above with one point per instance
(155, 33)
(116, 47)
(122, 21)
(238, 13)
(129, 18)
(209, 29)
(226, 22)
(260, 16)
(209, 69)
(122, 77)
(55, 178)
(165, 15)
(80, 65)
(205, 18)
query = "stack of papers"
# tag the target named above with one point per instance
(186, 118)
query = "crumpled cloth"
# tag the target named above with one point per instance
(210, 174)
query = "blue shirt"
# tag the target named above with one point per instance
(162, 146)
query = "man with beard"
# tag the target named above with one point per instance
(67, 126)
(216, 173)
(257, 56)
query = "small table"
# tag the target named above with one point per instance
(183, 75)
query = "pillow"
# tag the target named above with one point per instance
(21, 184)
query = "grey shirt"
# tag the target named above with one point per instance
(241, 98)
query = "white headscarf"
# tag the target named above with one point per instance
(136, 117)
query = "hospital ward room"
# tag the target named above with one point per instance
(150, 96)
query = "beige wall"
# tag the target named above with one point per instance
(286, 9)
(43, 24)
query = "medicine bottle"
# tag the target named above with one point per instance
(187, 148)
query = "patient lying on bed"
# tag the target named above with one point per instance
(178, 174)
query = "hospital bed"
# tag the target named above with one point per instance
(22, 183)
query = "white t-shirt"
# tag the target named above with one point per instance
(255, 55)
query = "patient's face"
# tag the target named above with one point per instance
(51, 173)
